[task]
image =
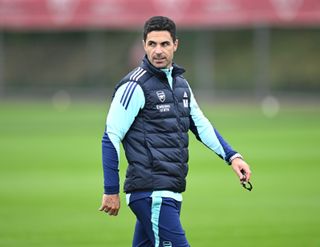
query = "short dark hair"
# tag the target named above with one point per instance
(159, 23)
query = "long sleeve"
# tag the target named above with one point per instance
(126, 104)
(207, 134)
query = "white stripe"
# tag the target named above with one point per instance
(144, 71)
(134, 78)
(136, 72)
(128, 198)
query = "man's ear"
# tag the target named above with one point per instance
(144, 45)
(176, 44)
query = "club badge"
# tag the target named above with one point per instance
(161, 96)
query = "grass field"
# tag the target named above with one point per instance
(51, 179)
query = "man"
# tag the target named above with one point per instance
(152, 110)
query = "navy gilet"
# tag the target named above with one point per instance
(156, 145)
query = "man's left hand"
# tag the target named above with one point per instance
(242, 169)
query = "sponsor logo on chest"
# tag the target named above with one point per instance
(166, 107)
(162, 107)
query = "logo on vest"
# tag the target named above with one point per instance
(161, 96)
(163, 108)
(167, 244)
(185, 100)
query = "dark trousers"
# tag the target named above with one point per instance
(158, 223)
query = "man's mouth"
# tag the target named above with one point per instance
(160, 59)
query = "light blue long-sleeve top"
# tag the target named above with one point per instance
(120, 119)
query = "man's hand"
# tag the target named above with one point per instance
(110, 204)
(242, 169)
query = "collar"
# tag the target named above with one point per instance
(176, 69)
(168, 71)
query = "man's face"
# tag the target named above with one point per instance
(160, 48)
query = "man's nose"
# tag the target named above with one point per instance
(158, 49)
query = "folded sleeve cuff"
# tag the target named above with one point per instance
(110, 190)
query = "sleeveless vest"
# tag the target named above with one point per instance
(156, 145)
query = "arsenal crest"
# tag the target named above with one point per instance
(161, 96)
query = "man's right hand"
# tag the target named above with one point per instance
(110, 204)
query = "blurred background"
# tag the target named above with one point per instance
(254, 66)
(248, 48)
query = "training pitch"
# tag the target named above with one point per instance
(51, 179)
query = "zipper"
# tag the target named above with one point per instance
(176, 110)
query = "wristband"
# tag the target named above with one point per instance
(237, 155)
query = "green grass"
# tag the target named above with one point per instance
(51, 179)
